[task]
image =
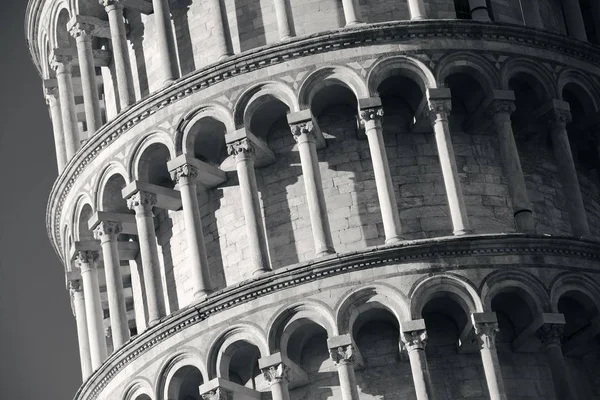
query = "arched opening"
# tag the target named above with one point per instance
(85, 233)
(581, 342)
(64, 40)
(185, 383)
(377, 336)
(239, 364)
(206, 141)
(448, 327)
(514, 313)
(152, 166)
(413, 157)
(307, 347)
(112, 198)
(537, 156)
(143, 397)
(587, 12)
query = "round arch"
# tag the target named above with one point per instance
(568, 282)
(58, 9)
(287, 318)
(327, 76)
(101, 186)
(502, 281)
(185, 357)
(251, 100)
(436, 285)
(139, 388)
(158, 137)
(184, 140)
(359, 300)
(400, 65)
(545, 87)
(584, 85)
(476, 66)
(83, 209)
(220, 349)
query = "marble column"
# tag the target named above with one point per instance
(185, 176)
(82, 33)
(341, 351)
(417, 9)
(351, 14)
(107, 232)
(86, 262)
(52, 99)
(165, 41)
(142, 203)
(219, 30)
(531, 14)
(414, 337)
(479, 10)
(551, 336)
(440, 104)
(278, 378)
(63, 65)
(244, 153)
(559, 116)
(486, 327)
(501, 109)
(574, 19)
(283, 21)
(304, 132)
(78, 305)
(371, 114)
(118, 38)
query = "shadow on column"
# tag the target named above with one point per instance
(179, 12)
(136, 36)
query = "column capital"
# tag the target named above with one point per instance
(415, 340)
(51, 92)
(143, 199)
(218, 394)
(342, 354)
(86, 258)
(75, 286)
(370, 109)
(108, 230)
(550, 334)
(80, 30)
(306, 128)
(276, 373)
(62, 63)
(439, 103)
(243, 147)
(111, 3)
(501, 107)
(556, 113)
(485, 325)
(184, 172)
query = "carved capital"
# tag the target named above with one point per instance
(61, 63)
(146, 200)
(559, 116)
(75, 286)
(439, 108)
(218, 394)
(242, 147)
(108, 332)
(342, 354)
(415, 339)
(304, 128)
(110, 3)
(276, 373)
(51, 93)
(550, 334)
(81, 30)
(370, 114)
(186, 172)
(108, 230)
(485, 334)
(501, 107)
(86, 258)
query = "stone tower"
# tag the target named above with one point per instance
(327, 199)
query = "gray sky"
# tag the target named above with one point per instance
(38, 339)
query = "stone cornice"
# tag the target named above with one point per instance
(393, 32)
(452, 249)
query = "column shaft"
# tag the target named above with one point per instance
(531, 14)
(574, 19)
(78, 300)
(198, 260)
(456, 202)
(350, 12)
(283, 23)
(57, 128)
(420, 374)
(371, 119)
(417, 9)
(165, 41)
(512, 168)
(550, 335)
(486, 337)
(142, 205)
(347, 381)
(67, 108)
(93, 307)
(313, 185)
(107, 233)
(568, 174)
(278, 377)
(479, 10)
(91, 98)
(121, 55)
(244, 161)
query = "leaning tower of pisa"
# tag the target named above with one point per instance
(327, 199)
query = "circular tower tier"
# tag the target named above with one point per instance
(327, 199)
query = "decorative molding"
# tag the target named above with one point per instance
(108, 229)
(366, 35)
(241, 147)
(276, 373)
(415, 340)
(146, 200)
(185, 171)
(485, 334)
(306, 127)
(342, 354)
(369, 114)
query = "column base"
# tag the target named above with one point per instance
(201, 295)
(354, 23)
(462, 232)
(394, 240)
(223, 57)
(524, 221)
(326, 252)
(259, 272)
